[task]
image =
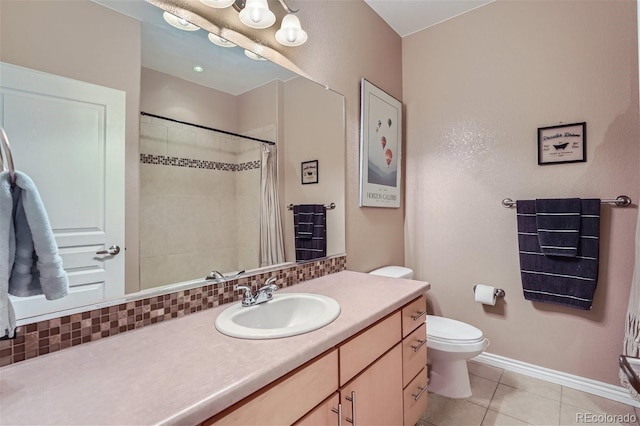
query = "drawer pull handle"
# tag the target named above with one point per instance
(352, 399)
(417, 316)
(338, 411)
(419, 345)
(417, 396)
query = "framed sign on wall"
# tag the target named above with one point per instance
(380, 147)
(566, 143)
(309, 171)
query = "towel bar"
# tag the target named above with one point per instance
(327, 207)
(620, 201)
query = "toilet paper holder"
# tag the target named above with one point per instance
(498, 292)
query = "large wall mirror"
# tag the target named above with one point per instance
(199, 193)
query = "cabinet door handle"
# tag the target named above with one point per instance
(419, 394)
(352, 399)
(338, 411)
(417, 316)
(417, 347)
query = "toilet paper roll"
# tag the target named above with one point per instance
(485, 294)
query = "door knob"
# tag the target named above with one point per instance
(111, 251)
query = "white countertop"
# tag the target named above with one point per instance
(184, 371)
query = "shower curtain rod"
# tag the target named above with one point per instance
(620, 201)
(207, 128)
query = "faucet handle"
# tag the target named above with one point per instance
(247, 296)
(214, 275)
(270, 281)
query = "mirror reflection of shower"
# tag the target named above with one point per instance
(200, 200)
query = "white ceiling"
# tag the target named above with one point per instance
(409, 16)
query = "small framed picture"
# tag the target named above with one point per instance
(309, 171)
(566, 143)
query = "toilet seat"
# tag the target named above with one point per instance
(452, 331)
(449, 335)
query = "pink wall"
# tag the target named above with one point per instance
(476, 88)
(350, 41)
(179, 99)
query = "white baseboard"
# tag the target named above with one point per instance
(605, 390)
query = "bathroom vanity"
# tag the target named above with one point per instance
(184, 371)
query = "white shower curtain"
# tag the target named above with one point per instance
(271, 240)
(632, 323)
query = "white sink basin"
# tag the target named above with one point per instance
(285, 315)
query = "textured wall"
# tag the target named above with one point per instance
(476, 88)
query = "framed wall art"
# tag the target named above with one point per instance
(565, 143)
(309, 171)
(380, 147)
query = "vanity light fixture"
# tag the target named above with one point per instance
(179, 23)
(254, 56)
(198, 69)
(219, 41)
(256, 14)
(290, 32)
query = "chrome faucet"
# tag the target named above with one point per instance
(218, 276)
(264, 293)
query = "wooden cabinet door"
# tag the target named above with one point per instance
(375, 396)
(323, 414)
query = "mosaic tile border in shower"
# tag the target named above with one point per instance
(197, 164)
(41, 338)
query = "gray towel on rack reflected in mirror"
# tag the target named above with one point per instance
(558, 222)
(568, 281)
(310, 231)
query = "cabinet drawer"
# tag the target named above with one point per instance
(413, 315)
(414, 353)
(287, 399)
(367, 346)
(415, 398)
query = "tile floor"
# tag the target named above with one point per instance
(505, 398)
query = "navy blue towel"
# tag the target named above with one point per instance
(310, 231)
(568, 281)
(558, 222)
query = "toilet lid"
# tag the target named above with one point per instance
(450, 329)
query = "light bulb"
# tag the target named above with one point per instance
(179, 23)
(219, 41)
(290, 32)
(256, 14)
(254, 56)
(218, 4)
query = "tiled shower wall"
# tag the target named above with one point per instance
(200, 195)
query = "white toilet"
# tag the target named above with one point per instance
(450, 344)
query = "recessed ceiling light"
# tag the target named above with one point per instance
(198, 68)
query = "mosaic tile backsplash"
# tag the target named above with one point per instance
(52, 335)
(198, 164)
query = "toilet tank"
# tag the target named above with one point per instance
(394, 272)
